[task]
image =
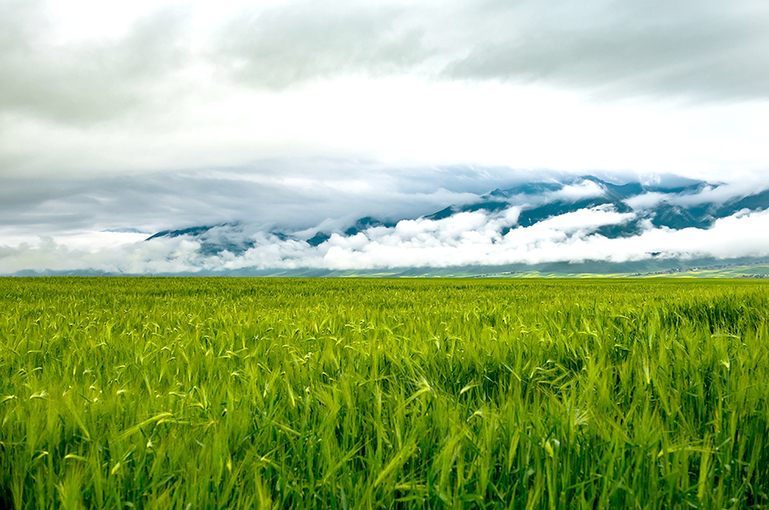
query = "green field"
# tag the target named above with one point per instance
(334, 393)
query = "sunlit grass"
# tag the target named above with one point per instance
(248, 393)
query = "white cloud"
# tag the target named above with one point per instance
(585, 219)
(576, 192)
(718, 194)
(465, 239)
(646, 200)
(709, 194)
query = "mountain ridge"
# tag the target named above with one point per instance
(578, 207)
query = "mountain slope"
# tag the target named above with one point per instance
(572, 220)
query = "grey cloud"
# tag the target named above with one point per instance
(693, 49)
(47, 207)
(294, 194)
(85, 81)
(705, 49)
(710, 50)
(307, 40)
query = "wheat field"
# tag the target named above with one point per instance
(192, 393)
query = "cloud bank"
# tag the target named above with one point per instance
(466, 239)
(482, 237)
(88, 90)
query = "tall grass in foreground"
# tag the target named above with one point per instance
(235, 393)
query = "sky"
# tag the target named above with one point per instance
(118, 120)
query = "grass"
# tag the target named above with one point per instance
(292, 393)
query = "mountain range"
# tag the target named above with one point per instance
(624, 210)
(552, 226)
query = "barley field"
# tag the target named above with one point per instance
(197, 393)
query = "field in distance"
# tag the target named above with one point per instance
(383, 393)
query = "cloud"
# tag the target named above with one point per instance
(599, 85)
(575, 192)
(585, 220)
(83, 82)
(688, 49)
(262, 219)
(281, 194)
(300, 41)
(472, 238)
(707, 194)
(709, 50)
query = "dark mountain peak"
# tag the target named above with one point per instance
(498, 193)
(318, 239)
(364, 224)
(443, 213)
(529, 188)
(281, 235)
(191, 231)
(617, 191)
(677, 218)
(490, 206)
(756, 202)
(210, 243)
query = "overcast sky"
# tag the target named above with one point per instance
(151, 115)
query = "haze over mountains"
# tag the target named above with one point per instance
(580, 221)
(477, 223)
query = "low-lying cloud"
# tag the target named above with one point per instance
(471, 238)
(381, 219)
